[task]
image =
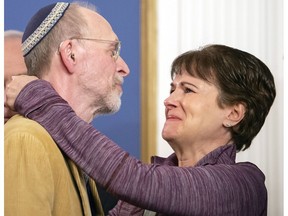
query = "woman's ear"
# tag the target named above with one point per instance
(236, 114)
(67, 55)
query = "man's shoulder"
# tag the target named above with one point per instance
(20, 124)
(22, 131)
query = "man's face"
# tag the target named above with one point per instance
(101, 75)
(13, 65)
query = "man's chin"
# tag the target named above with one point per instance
(116, 108)
(116, 104)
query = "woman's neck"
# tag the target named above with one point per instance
(189, 156)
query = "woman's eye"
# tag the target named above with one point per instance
(188, 90)
(171, 91)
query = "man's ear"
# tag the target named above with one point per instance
(235, 115)
(67, 55)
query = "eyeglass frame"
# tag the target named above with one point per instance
(115, 53)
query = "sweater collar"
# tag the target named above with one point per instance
(224, 154)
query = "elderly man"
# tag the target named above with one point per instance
(76, 50)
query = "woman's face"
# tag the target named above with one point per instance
(192, 113)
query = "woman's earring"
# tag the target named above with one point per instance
(227, 125)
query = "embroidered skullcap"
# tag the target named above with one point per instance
(41, 24)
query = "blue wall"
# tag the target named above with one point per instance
(124, 17)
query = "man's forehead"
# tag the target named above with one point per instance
(99, 27)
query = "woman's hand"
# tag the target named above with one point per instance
(14, 87)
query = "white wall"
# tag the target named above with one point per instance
(255, 26)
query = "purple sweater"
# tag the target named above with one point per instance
(215, 186)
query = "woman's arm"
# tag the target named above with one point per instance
(217, 190)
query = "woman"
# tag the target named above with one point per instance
(219, 99)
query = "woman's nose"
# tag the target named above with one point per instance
(172, 100)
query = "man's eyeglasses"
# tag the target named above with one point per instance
(115, 52)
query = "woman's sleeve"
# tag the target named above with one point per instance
(166, 189)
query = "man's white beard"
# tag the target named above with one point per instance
(109, 104)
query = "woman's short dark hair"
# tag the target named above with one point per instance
(240, 78)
